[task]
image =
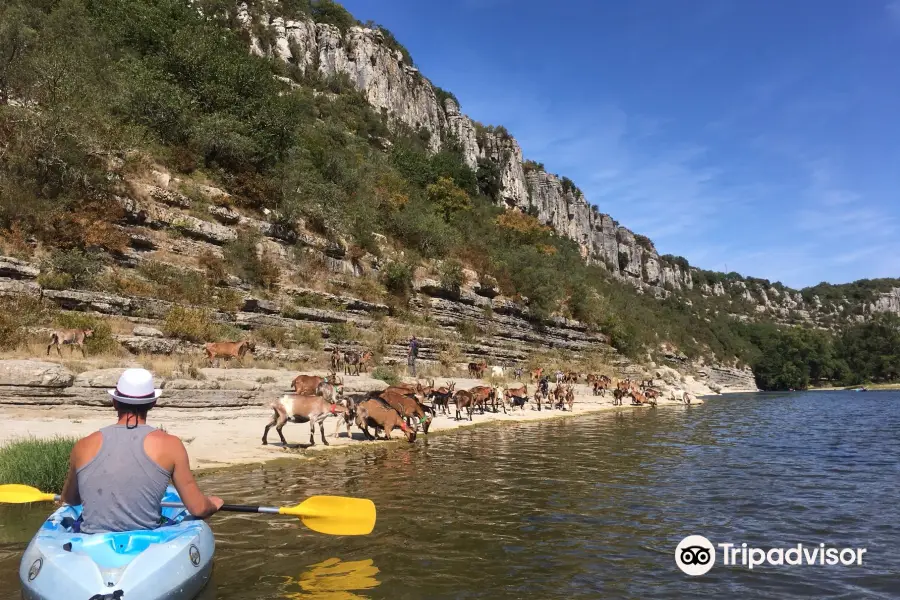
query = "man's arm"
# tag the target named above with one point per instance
(198, 504)
(70, 494)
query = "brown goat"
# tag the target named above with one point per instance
(477, 369)
(302, 409)
(229, 350)
(482, 394)
(307, 384)
(409, 408)
(464, 399)
(378, 414)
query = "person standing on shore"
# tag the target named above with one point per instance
(120, 473)
(411, 354)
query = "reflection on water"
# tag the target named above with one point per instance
(583, 507)
(333, 579)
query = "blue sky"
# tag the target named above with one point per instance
(749, 135)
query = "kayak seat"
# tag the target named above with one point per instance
(116, 550)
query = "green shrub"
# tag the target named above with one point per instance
(51, 280)
(468, 329)
(214, 266)
(40, 463)
(451, 274)
(342, 332)
(398, 278)
(190, 324)
(278, 337)
(327, 11)
(309, 336)
(385, 374)
(17, 315)
(419, 227)
(71, 268)
(243, 260)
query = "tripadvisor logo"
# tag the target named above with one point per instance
(695, 555)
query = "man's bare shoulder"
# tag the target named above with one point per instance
(88, 443)
(86, 448)
(163, 439)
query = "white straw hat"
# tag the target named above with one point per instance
(135, 386)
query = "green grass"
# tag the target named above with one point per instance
(42, 463)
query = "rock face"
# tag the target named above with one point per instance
(887, 302)
(398, 89)
(34, 373)
(50, 384)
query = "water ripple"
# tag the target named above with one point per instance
(579, 508)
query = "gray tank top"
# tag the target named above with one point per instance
(121, 488)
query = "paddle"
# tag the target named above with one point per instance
(333, 515)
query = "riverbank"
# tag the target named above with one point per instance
(228, 437)
(868, 386)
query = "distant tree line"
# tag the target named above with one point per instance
(798, 357)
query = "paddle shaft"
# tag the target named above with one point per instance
(244, 508)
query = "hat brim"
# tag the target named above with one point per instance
(135, 401)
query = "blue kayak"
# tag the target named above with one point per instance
(172, 562)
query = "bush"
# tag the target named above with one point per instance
(278, 337)
(243, 260)
(342, 332)
(327, 11)
(398, 278)
(17, 315)
(193, 325)
(70, 268)
(385, 374)
(468, 329)
(419, 227)
(451, 273)
(40, 463)
(309, 336)
(214, 266)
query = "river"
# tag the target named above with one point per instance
(584, 507)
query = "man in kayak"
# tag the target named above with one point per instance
(120, 473)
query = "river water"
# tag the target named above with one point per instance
(583, 507)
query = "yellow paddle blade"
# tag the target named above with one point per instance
(16, 493)
(335, 515)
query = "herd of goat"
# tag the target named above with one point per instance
(412, 406)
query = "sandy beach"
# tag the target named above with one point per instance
(222, 437)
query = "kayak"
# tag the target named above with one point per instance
(172, 562)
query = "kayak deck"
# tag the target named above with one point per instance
(171, 562)
(113, 550)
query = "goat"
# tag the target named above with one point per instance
(464, 399)
(228, 350)
(476, 370)
(308, 384)
(440, 398)
(302, 409)
(409, 408)
(71, 337)
(378, 414)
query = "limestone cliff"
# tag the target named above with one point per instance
(393, 86)
(400, 91)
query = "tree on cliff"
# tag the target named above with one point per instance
(448, 198)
